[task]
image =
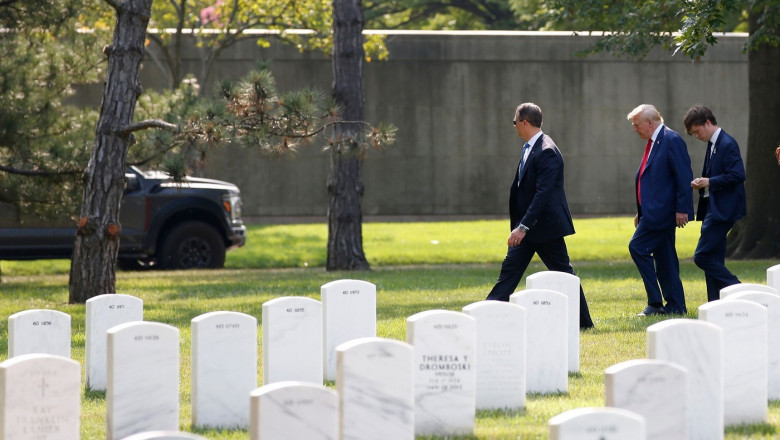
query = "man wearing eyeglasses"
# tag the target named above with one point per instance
(664, 201)
(538, 211)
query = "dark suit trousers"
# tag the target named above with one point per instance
(655, 256)
(554, 255)
(710, 256)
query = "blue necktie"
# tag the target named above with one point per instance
(708, 160)
(522, 158)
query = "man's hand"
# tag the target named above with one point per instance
(515, 237)
(636, 220)
(700, 182)
(682, 219)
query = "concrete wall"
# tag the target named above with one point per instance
(452, 96)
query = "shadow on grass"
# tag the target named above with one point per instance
(95, 395)
(499, 413)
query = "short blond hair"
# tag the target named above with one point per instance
(646, 111)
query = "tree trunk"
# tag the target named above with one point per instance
(93, 264)
(758, 234)
(345, 186)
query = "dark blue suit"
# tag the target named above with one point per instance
(666, 190)
(724, 206)
(538, 201)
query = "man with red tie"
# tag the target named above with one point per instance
(664, 201)
(721, 197)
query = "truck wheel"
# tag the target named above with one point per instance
(192, 245)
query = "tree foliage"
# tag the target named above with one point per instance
(454, 14)
(217, 25)
(44, 141)
(634, 28)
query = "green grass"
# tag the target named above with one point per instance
(416, 267)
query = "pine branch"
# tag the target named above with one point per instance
(149, 123)
(38, 173)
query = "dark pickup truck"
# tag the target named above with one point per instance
(165, 224)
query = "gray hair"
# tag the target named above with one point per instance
(647, 112)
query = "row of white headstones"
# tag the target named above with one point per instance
(699, 376)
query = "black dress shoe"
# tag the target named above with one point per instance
(652, 310)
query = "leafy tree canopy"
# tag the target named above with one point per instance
(454, 14)
(44, 140)
(218, 24)
(631, 28)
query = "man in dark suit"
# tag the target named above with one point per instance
(721, 197)
(538, 211)
(664, 201)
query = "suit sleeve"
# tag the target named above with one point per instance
(734, 173)
(680, 164)
(547, 166)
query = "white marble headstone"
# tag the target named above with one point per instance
(772, 303)
(294, 411)
(164, 435)
(224, 369)
(568, 285)
(654, 389)
(746, 287)
(597, 424)
(103, 312)
(348, 312)
(773, 277)
(500, 361)
(445, 378)
(142, 392)
(292, 340)
(744, 358)
(697, 346)
(39, 331)
(40, 398)
(375, 382)
(547, 339)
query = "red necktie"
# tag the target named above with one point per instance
(642, 170)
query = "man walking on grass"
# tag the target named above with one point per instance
(538, 210)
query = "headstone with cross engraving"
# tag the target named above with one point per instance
(40, 398)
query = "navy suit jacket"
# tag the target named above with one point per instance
(727, 177)
(537, 199)
(666, 182)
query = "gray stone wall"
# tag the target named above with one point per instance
(452, 96)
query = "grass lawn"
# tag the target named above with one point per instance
(416, 267)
